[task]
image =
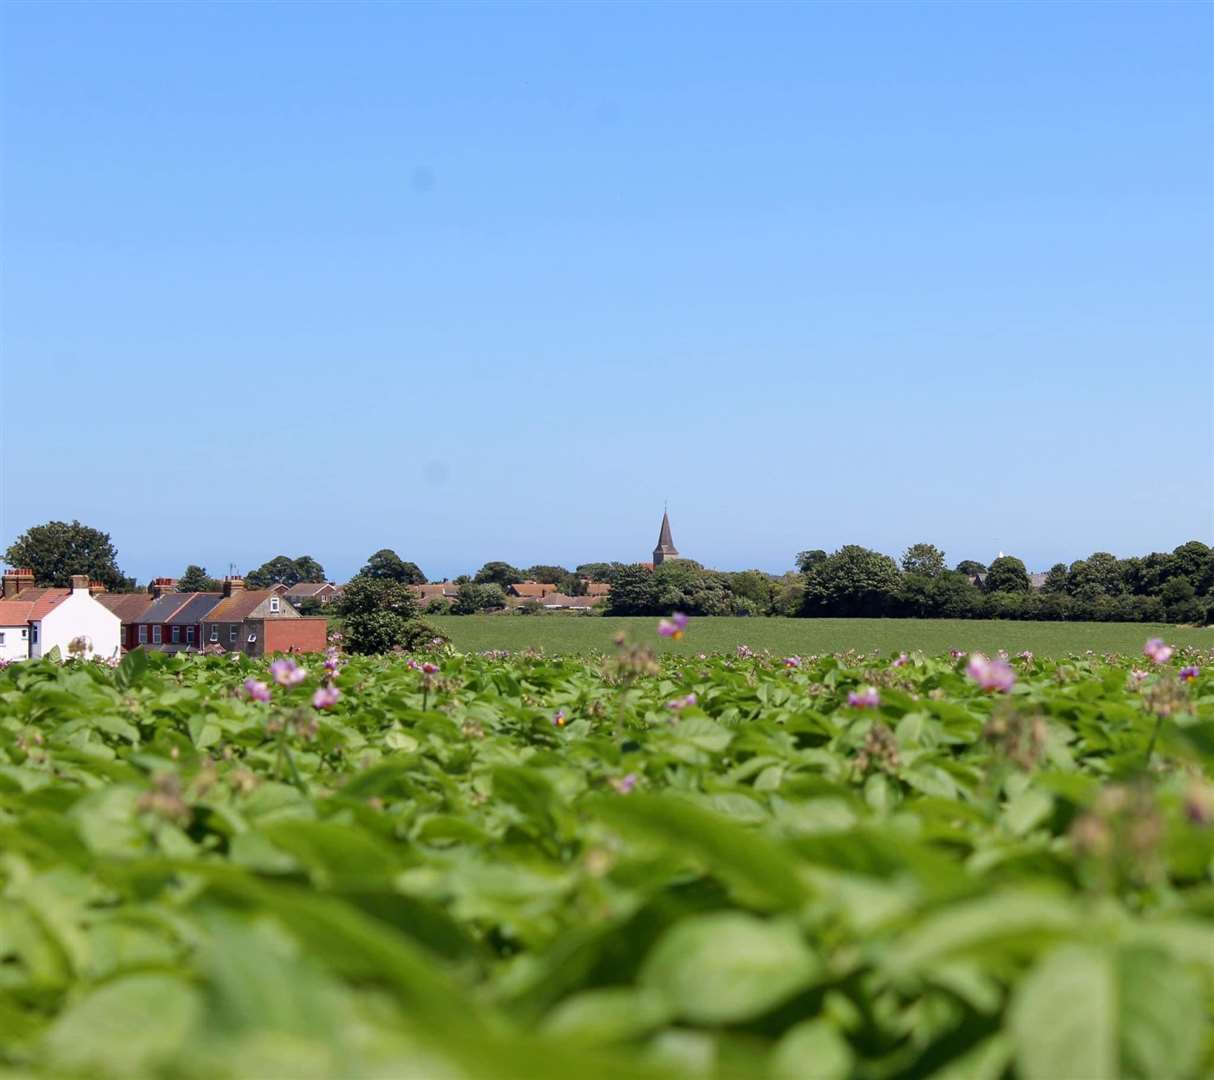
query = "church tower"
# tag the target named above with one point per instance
(665, 549)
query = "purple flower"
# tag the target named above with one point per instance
(1189, 673)
(1156, 651)
(287, 672)
(682, 703)
(993, 676)
(1026, 656)
(624, 784)
(429, 668)
(867, 698)
(257, 691)
(956, 654)
(559, 718)
(792, 661)
(674, 627)
(902, 660)
(1138, 675)
(744, 652)
(325, 697)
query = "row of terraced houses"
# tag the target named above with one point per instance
(85, 620)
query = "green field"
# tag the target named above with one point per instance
(557, 634)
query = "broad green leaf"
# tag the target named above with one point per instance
(728, 967)
(812, 1050)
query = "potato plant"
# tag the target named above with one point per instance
(454, 865)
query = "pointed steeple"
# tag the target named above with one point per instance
(665, 549)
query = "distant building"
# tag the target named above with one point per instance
(260, 621)
(531, 590)
(34, 620)
(665, 549)
(324, 592)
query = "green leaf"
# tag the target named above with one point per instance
(728, 967)
(756, 866)
(124, 1028)
(131, 669)
(812, 1050)
(1090, 1010)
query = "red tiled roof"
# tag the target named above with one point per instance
(30, 605)
(310, 588)
(532, 588)
(598, 588)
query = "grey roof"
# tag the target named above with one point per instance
(309, 588)
(162, 609)
(665, 540)
(197, 607)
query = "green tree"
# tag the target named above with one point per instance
(924, 559)
(1055, 579)
(1007, 574)
(633, 592)
(1195, 561)
(569, 583)
(970, 568)
(853, 582)
(1180, 601)
(498, 573)
(472, 598)
(386, 565)
(1100, 574)
(282, 570)
(600, 571)
(57, 550)
(753, 588)
(379, 615)
(196, 579)
(807, 560)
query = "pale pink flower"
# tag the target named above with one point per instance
(257, 691)
(287, 673)
(901, 661)
(624, 784)
(792, 661)
(956, 654)
(1156, 651)
(682, 703)
(325, 697)
(993, 676)
(866, 698)
(674, 627)
(1139, 676)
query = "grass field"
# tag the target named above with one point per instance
(583, 634)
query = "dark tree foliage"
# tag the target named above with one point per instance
(601, 571)
(498, 573)
(633, 592)
(853, 582)
(970, 568)
(473, 598)
(924, 559)
(379, 615)
(57, 550)
(386, 565)
(1056, 579)
(282, 570)
(807, 560)
(1007, 574)
(567, 582)
(196, 579)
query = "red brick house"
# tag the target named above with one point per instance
(260, 621)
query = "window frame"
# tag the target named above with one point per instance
(143, 633)
(157, 634)
(175, 635)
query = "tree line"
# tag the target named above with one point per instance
(854, 581)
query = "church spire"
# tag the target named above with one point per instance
(665, 549)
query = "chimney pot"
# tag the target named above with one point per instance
(16, 580)
(232, 585)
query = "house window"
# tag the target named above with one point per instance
(214, 632)
(189, 634)
(233, 633)
(176, 633)
(1, 637)
(274, 603)
(34, 639)
(156, 634)
(25, 633)
(143, 633)
(252, 638)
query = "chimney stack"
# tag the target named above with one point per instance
(162, 585)
(232, 585)
(80, 583)
(96, 587)
(16, 580)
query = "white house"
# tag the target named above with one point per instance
(33, 621)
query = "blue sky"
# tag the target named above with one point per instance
(493, 281)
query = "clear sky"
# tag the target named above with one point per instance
(493, 281)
